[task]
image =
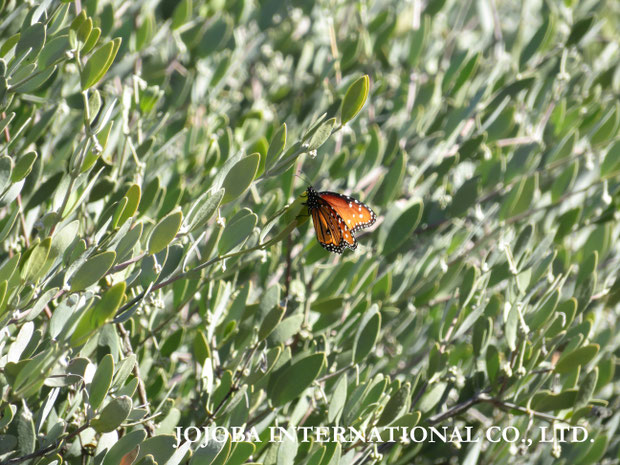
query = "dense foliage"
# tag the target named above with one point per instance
(157, 268)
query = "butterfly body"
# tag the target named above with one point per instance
(336, 217)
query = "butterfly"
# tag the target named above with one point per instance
(336, 217)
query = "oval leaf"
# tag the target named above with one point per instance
(99, 314)
(113, 415)
(240, 177)
(354, 99)
(237, 230)
(367, 335)
(203, 209)
(580, 356)
(295, 379)
(99, 63)
(165, 231)
(92, 270)
(101, 382)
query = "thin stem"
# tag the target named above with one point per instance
(22, 219)
(46, 450)
(148, 425)
(335, 373)
(233, 388)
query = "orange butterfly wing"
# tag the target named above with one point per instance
(336, 217)
(331, 232)
(355, 214)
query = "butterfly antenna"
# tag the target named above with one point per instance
(303, 178)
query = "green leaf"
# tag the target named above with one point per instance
(26, 436)
(611, 162)
(123, 370)
(78, 20)
(417, 41)
(286, 329)
(33, 263)
(432, 396)
(566, 221)
(394, 178)
(33, 38)
(84, 30)
(338, 400)
(8, 267)
(606, 128)
(511, 327)
(92, 270)
(586, 388)
(287, 449)
(99, 63)
(8, 45)
(92, 40)
(540, 37)
(203, 209)
(33, 83)
(181, 13)
(468, 286)
(545, 401)
(520, 197)
(20, 343)
(587, 267)
(215, 453)
(179, 454)
(123, 446)
(483, 329)
(102, 379)
(579, 30)
(240, 177)
(466, 72)
(541, 315)
(99, 314)
(112, 415)
(398, 403)
(200, 348)
(276, 147)
(214, 36)
(321, 134)
(354, 99)
(594, 453)
(237, 231)
(241, 453)
(402, 228)
(145, 32)
(131, 206)
(54, 51)
(562, 184)
(165, 231)
(6, 168)
(573, 360)
(294, 379)
(465, 197)
(8, 413)
(270, 321)
(492, 363)
(367, 334)
(23, 167)
(3, 287)
(564, 148)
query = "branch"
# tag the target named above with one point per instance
(499, 403)
(148, 425)
(46, 450)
